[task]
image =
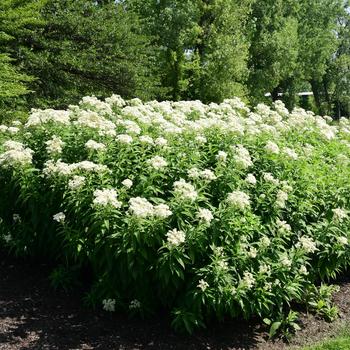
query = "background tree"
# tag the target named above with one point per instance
(19, 19)
(274, 48)
(89, 48)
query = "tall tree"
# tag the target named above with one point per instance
(19, 19)
(89, 48)
(203, 46)
(274, 47)
(318, 25)
(222, 48)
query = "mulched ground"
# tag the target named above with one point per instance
(33, 316)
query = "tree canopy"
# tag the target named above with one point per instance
(52, 52)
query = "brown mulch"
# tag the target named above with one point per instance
(33, 316)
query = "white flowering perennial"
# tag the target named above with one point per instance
(339, 214)
(16, 154)
(108, 305)
(272, 148)
(307, 244)
(203, 285)
(175, 237)
(95, 146)
(216, 201)
(59, 217)
(185, 190)
(205, 215)
(242, 157)
(157, 162)
(106, 197)
(239, 199)
(140, 207)
(76, 182)
(55, 145)
(127, 183)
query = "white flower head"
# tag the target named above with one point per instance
(162, 211)
(303, 270)
(339, 214)
(76, 182)
(343, 240)
(248, 280)
(96, 146)
(285, 261)
(108, 305)
(106, 197)
(202, 285)
(205, 215)
(307, 244)
(221, 156)
(250, 179)
(59, 217)
(127, 183)
(193, 173)
(207, 175)
(238, 199)
(124, 138)
(290, 153)
(272, 147)
(281, 199)
(55, 145)
(185, 190)
(252, 252)
(145, 139)
(175, 237)
(157, 162)
(134, 305)
(160, 141)
(141, 207)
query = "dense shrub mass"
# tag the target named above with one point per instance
(205, 210)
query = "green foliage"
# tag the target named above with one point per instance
(320, 301)
(283, 325)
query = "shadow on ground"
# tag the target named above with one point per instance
(33, 316)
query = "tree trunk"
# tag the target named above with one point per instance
(274, 94)
(316, 91)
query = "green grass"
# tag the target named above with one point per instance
(341, 342)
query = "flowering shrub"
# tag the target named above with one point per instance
(206, 210)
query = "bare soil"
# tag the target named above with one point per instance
(33, 316)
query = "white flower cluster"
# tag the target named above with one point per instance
(38, 117)
(59, 217)
(238, 199)
(108, 305)
(206, 174)
(175, 237)
(52, 168)
(96, 146)
(142, 208)
(307, 244)
(16, 155)
(157, 162)
(55, 145)
(76, 182)
(272, 148)
(248, 280)
(106, 197)
(339, 214)
(203, 285)
(205, 215)
(185, 190)
(251, 179)
(242, 157)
